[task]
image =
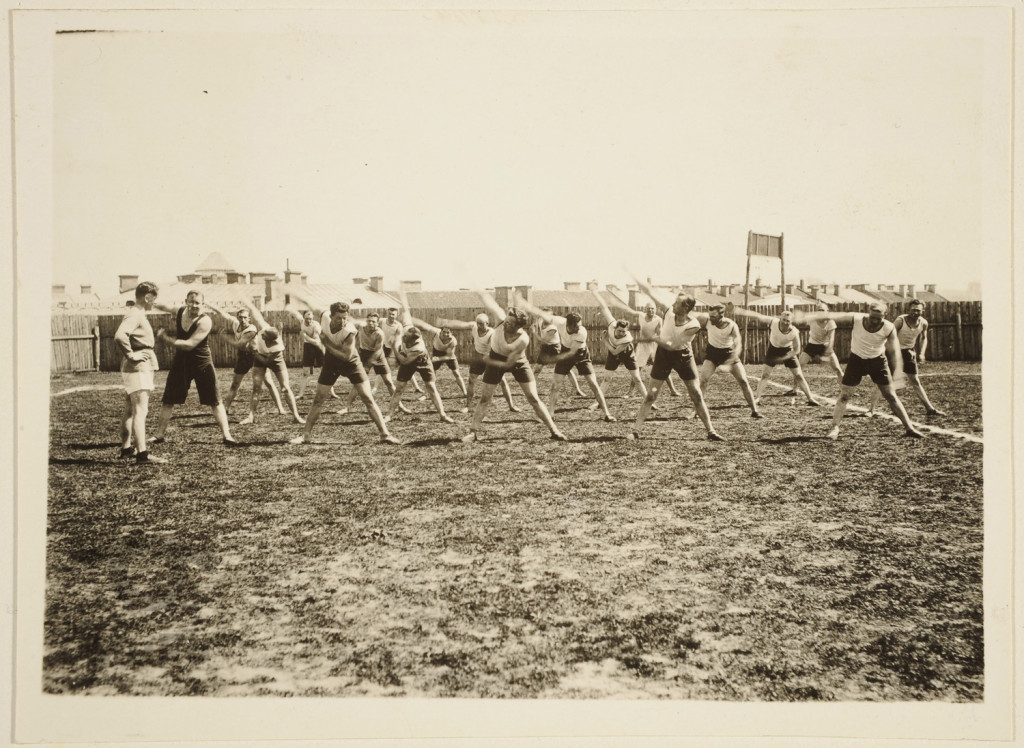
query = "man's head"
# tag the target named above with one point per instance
(915, 309)
(572, 321)
(243, 316)
(145, 294)
(716, 312)
(621, 328)
(683, 304)
(307, 316)
(482, 322)
(392, 313)
(516, 319)
(822, 306)
(270, 335)
(785, 320)
(411, 335)
(876, 310)
(339, 312)
(372, 320)
(649, 310)
(445, 334)
(194, 300)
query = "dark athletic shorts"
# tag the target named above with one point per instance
(522, 372)
(421, 365)
(244, 361)
(312, 356)
(274, 362)
(857, 368)
(816, 351)
(719, 356)
(180, 377)
(624, 357)
(451, 363)
(909, 360)
(784, 356)
(547, 353)
(477, 367)
(365, 357)
(666, 361)
(334, 367)
(582, 363)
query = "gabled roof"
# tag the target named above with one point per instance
(445, 300)
(215, 262)
(847, 294)
(572, 299)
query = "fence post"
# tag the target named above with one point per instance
(959, 335)
(96, 348)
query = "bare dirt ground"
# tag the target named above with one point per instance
(776, 566)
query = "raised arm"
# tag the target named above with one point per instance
(261, 323)
(608, 316)
(317, 313)
(800, 316)
(492, 305)
(536, 311)
(423, 325)
(662, 308)
(741, 312)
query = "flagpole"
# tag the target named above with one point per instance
(746, 296)
(782, 272)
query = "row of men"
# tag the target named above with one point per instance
(350, 348)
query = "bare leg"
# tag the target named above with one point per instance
(739, 373)
(164, 419)
(140, 407)
(323, 391)
(272, 386)
(221, 417)
(435, 398)
(645, 406)
(576, 382)
(533, 398)
(236, 382)
(282, 377)
(557, 383)
(800, 381)
(396, 398)
(363, 389)
(930, 409)
(889, 393)
(469, 392)
(127, 421)
(461, 382)
(762, 385)
(599, 396)
(486, 393)
(506, 390)
(697, 398)
(845, 395)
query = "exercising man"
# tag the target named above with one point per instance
(646, 345)
(135, 339)
(243, 340)
(872, 338)
(783, 348)
(724, 349)
(269, 357)
(192, 362)
(912, 332)
(481, 331)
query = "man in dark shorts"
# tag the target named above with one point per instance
(243, 340)
(442, 353)
(723, 351)
(872, 338)
(679, 326)
(370, 344)
(912, 333)
(619, 350)
(193, 362)
(412, 358)
(341, 359)
(783, 348)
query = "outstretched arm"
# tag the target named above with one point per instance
(741, 312)
(425, 325)
(801, 316)
(492, 305)
(608, 316)
(317, 313)
(261, 323)
(198, 335)
(548, 317)
(662, 308)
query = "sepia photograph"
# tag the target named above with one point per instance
(529, 374)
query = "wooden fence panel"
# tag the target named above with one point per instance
(954, 333)
(73, 343)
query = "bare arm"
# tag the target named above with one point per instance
(425, 325)
(662, 308)
(892, 347)
(922, 339)
(608, 316)
(123, 339)
(492, 305)
(198, 335)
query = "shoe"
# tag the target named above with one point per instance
(558, 436)
(654, 406)
(934, 412)
(914, 433)
(157, 440)
(592, 406)
(127, 452)
(714, 436)
(470, 437)
(231, 443)
(634, 436)
(389, 439)
(833, 433)
(756, 414)
(814, 403)
(610, 419)
(247, 420)
(144, 458)
(447, 419)
(300, 439)
(791, 393)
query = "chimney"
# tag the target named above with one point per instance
(268, 290)
(814, 292)
(86, 290)
(593, 285)
(360, 281)
(525, 292)
(789, 289)
(503, 295)
(611, 287)
(633, 301)
(835, 289)
(57, 290)
(802, 286)
(758, 288)
(724, 290)
(377, 283)
(290, 275)
(236, 277)
(862, 287)
(255, 278)
(711, 286)
(127, 282)
(410, 285)
(571, 286)
(929, 287)
(910, 291)
(903, 289)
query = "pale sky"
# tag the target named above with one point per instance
(474, 149)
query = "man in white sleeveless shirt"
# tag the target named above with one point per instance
(481, 331)
(783, 348)
(912, 331)
(873, 336)
(724, 349)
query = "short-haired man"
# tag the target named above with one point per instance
(392, 327)
(550, 347)
(912, 332)
(411, 354)
(507, 353)
(192, 362)
(724, 351)
(820, 348)
(243, 340)
(480, 330)
(135, 339)
(619, 350)
(872, 338)
(341, 359)
(442, 353)
(269, 357)
(783, 348)
(675, 353)
(649, 324)
(370, 344)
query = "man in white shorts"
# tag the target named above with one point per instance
(783, 348)
(135, 339)
(872, 338)
(724, 350)
(912, 331)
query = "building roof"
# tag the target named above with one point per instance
(215, 262)
(445, 300)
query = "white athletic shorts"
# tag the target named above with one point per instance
(137, 380)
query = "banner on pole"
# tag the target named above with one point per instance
(763, 245)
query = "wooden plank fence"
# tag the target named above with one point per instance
(954, 334)
(74, 343)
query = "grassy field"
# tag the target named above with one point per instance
(776, 566)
